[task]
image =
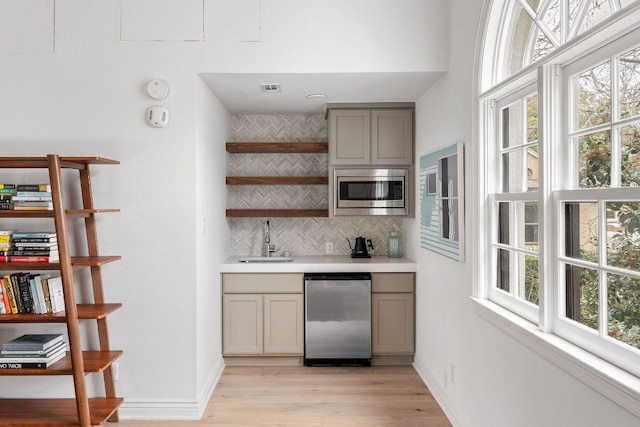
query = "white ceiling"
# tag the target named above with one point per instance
(241, 93)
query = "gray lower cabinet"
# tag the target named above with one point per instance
(379, 136)
(393, 313)
(262, 314)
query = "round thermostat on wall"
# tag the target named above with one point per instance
(158, 89)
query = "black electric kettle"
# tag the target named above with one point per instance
(360, 250)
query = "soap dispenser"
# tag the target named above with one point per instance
(394, 244)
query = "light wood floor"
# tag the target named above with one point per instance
(387, 396)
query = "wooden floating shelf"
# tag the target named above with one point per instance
(53, 412)
(277, 180)
(282, 213)
(277, 147)
(85, 311)
(94, 361)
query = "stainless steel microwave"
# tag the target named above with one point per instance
(371, 192)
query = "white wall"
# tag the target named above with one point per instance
(496, 382)
(88, 98)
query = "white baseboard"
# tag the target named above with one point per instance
(144, 409)
(449, 407)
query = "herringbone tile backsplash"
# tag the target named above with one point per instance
(299, 236)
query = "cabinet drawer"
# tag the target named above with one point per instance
(276, 283)
(392, 282)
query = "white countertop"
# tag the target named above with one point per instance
(322, 264)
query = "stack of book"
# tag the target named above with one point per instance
(5, 242)
(32, 197)
(39, 246)
(6, 194)
(32, 351)
(31, 294)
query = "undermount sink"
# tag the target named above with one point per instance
(266, 259)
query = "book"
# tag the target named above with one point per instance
(35, 353)
(9, 191)
(31, 365)
(5, 306)
(16, 292)
(12, 301)
(30, 199)
(56, 294)
(7, 186)
(19, 259)
(45, 292)
(32, 203)
(37, 284)
(44, 246)
(51, 252)
(31, 357)
(5, 238)
(33, 187)
(28, 342)
(48, 207)
(35, 194)
(25, 292)
(26, 234)
(18, 240)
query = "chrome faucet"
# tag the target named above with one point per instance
(268, 248)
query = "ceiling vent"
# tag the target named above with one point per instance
(271, 87)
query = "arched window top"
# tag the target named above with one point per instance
(528, 30)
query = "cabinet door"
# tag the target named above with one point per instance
(392, 137)
(392, 323)
(242, 326)
(349, 137)
(283, 324)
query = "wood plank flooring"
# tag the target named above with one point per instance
(387, 396)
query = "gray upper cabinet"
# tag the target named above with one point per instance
(371, 136)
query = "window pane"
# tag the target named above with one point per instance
(581, 290)
(512, 125)
(527, 224)
(503, 223)
(594, 96)
(624, 309)
(532, 168)
(522, 26)
(532, 118)
(630, 153)
(520, 175)
(595, 159)
(552, 17)
(581, 231)
(513, 172)
(596, 12)
(531, 282)
(623, 235)
(503, 270)
(629, 83)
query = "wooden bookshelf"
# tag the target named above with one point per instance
(82, 410)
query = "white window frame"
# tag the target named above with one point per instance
(541, 337)
(598, 343)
